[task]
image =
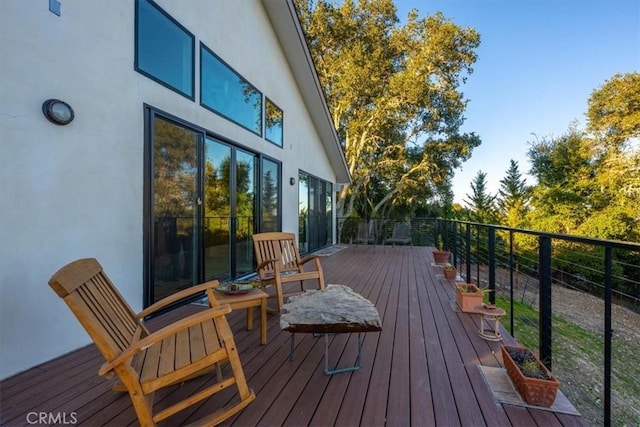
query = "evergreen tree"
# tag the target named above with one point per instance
(513, 197)
(481, 204)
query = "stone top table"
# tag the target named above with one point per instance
(333, 310)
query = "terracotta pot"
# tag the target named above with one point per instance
(441, 257)
(534, 391)
(450, 274)
(468, 300)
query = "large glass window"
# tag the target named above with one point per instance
(164, 48)
(270, 196)
(225, 92)
(273, 123)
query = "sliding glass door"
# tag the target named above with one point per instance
(230, 204)
(202, 207)
(174, 208)
(315, 212)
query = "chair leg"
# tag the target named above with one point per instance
(143, 406)
(279, 297)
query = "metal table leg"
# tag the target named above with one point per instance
(355, 367)
(328, 371)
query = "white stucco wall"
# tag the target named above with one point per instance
(75, 191)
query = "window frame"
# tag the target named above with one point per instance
(268, 101)
(259, 129)
(148, 73)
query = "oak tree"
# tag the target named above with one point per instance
(393, 94)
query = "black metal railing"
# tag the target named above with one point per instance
(541, 280)
(599, 362)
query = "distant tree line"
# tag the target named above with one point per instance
(587, 184)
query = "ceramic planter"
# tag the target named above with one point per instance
(441, 257)
(534, 391)
(468, 300)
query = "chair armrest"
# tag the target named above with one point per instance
(309, 258)
(163, 333)
(176, 297)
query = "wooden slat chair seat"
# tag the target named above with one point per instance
(280, 265)
(147, 361)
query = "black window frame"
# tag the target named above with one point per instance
(149, 74)
(268, 101)
(260, 131)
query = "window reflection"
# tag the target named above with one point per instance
(228, 94)
(273, 120)
(164, 49)
(270, 219)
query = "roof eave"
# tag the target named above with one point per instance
(286, 24)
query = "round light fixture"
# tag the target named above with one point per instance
(58, 112)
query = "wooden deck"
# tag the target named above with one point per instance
(421, 370)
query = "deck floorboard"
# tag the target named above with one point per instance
(420, 370)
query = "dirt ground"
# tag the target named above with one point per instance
(581, 308)
(583, 375)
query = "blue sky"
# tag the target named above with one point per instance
(539, 61)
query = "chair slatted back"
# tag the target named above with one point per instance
(401, 230)
(277, 246)
(100, 308)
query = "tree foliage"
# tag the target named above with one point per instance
(481, 204)
(393, 93)
(513, 197)
(614, 110)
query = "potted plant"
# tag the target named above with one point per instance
(534, 382)
(440, 256)
(469, 296)
(450, 272)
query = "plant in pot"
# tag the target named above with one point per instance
(450, 272)
(535, 383)
(440, 256)
(469, 296)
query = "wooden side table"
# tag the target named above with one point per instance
(254, 298)
(490, 314)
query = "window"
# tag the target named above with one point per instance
(315, 212)
(164, 49)
(273, 123)
(270, 196)
(225, 92)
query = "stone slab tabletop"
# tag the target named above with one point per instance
(335, 309)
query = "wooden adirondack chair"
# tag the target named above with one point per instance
(279, 264)
(148, 361)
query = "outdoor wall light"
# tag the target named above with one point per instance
(292, 181)
(58, 112)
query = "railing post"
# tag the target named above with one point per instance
(468, 252)
(492, 265)
(608, 333)
(478, 231)
(544, 270)
(511, 267)
(455, 245)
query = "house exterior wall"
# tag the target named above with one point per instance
(75, 191)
